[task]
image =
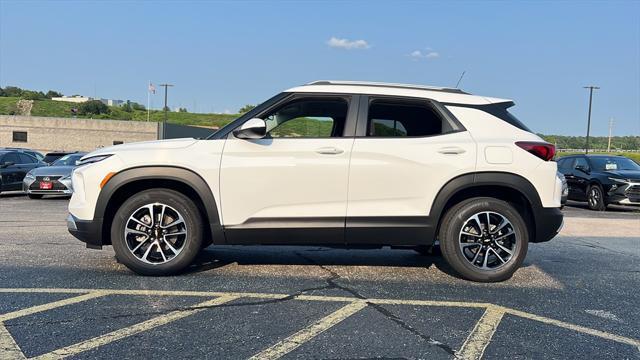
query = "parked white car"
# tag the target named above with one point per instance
(331, 163)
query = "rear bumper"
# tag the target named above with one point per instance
(549, 222)
(87, 231)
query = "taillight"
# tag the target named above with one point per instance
(543, 150)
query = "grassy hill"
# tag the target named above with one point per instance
(63, 109)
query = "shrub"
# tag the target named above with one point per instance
(93, 107)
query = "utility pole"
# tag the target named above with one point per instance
(164, 122)
(591, 88)
(610, 129)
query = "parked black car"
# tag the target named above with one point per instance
(49, 158)
(31, 152)
(601, 180)
(14, 165)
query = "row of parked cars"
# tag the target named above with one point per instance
(37, 174)
(599, 180)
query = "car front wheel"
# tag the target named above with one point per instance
(595, 198)
(157, 232)
(484, 239)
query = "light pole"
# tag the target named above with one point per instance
(591, 88)
(164, 122)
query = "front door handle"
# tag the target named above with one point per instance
(329, 150)
(451, 150)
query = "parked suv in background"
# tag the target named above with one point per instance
(14, 165)
(331, 163)
(601, 180)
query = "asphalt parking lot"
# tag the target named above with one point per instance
(575, 297)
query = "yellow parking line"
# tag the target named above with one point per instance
(144, 292)
(577, 328)
(9, 350)
(133, 329)
(91, 293)
(465, 304)
(289, 344)
(51, 305)
(481, 335)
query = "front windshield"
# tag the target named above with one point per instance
(67, 160)
(613, 164)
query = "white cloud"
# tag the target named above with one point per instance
(427, 54)
(347, 44)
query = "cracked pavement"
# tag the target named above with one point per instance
(588, 277)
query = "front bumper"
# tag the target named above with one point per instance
(549, 222)
(60, 187)
(87, 231)
(623, 194)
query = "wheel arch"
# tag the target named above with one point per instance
(509, 187)
(136, 179)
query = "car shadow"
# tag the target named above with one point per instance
(219, 256)
(610, 208)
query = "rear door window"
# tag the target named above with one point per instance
(404, 118)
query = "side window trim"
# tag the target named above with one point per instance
(353, 101)
(363, 116)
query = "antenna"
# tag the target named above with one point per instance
(459, 80)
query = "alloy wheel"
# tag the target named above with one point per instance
(488, 240)
(594, 197)
(155, 233)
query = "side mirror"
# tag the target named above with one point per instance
(6, 164)
(582, 168)
(255, 128)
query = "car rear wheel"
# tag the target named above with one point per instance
(484, 239)
(157, 232)
(35, 196)
(595, 198)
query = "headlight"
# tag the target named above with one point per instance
(93, 159)
(30, 176)
(618, 180)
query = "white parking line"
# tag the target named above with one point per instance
(133, 329)
(9, 350)
(481, 335)
(51, 305)
(473, 347)
(289, 344)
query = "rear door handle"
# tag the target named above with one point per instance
(451, 150)
(329, 150)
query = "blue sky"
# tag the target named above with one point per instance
(222, 55)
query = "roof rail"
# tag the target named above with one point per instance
(388, 85)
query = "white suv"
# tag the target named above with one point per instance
(331, 163)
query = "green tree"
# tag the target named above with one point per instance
(93, 107)
(12, 91)
(136, 106)
(182, 110)
(246, 108)
(126, 107)
(32, 95)
(51, 94)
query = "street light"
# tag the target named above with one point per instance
(591, 88)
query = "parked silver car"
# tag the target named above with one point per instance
(51, 180)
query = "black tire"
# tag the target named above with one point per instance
(595, 198)
(450, 234)
(35, 196)
(192, 241)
